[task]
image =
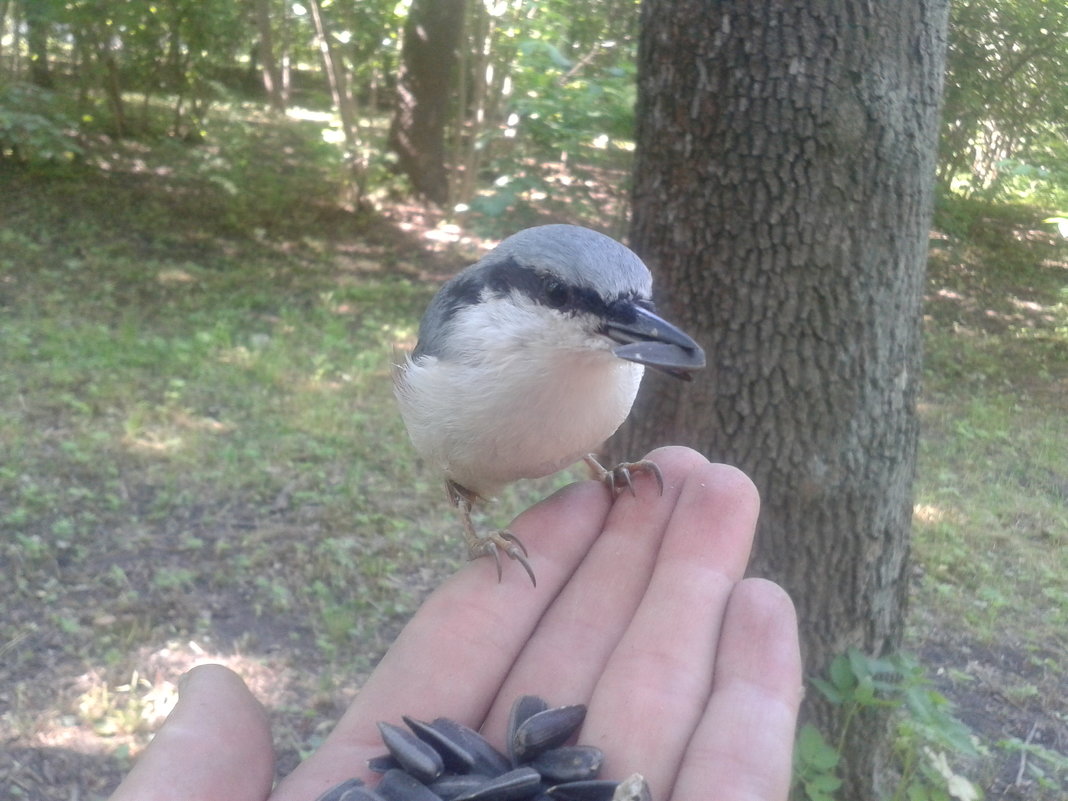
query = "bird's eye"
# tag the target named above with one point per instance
(556, 293)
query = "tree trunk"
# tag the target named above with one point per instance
(113, 89)
(782, 198)
(471, 121)
(4, 5)
(343, 100)
(37, 29)
(272, 75)
(428, 66)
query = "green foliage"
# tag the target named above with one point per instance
(560, 115)
(103, 49)
(926, 732)
(815, 764)
(259, 198)
(561, 121)
(32, 130)
(1006, 96)
(564, 109)
(991, 521)
(548, 95)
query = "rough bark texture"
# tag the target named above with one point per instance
(782, 199)
(428, 64)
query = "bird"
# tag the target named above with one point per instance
(527, 361)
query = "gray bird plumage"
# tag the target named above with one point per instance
(578, 257)
(529, 359)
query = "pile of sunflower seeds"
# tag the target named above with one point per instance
(446, 761)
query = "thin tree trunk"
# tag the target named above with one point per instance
(428, 66)
(37, 28)
(467, 156)
(782, 198)
(113, 89)
(285, 74)
(461, 153)
(16, 26)
(4, 5)
(337, 79)
(272, 77)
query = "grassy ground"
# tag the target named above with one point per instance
(195, 418)
(990, 601)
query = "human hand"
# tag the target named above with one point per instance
(692, 675)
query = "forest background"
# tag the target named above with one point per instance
(208, 248)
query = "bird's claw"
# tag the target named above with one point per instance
(622, 474)
(493, 544)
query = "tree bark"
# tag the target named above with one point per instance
(271, 74)
(782, 198)
(428, 67)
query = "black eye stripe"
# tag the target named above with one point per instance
(509, 276)
(500, 280)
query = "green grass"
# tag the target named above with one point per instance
(992, 517)
(990, 608)
(197, 436)
(199, 450)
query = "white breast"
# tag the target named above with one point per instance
(511, 407)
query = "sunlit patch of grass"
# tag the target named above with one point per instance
(990, 535)
(201, 440)
(992, 518)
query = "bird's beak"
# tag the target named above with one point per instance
(653, 341)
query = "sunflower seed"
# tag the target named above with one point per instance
(488, 760)
(546, 730)
(525, 706)
(451, 787)
(338, 790)
(415, 756)
(455, 757)
(594, 790)
(511, 786)
(382, 763)
(396, 785)
(361, 794)
(569, 763)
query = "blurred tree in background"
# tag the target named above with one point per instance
(529, 99)
(1006, 97)
(429, 55)
(533, 99)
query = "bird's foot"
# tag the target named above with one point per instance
(620, 476)
(493, 543)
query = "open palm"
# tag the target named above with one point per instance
(691, 674)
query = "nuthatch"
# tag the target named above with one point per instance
(529, 360)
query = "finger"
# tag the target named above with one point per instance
(743, 745)
(452, 657)
(576, 636)
(654, 686)
(215, 744)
